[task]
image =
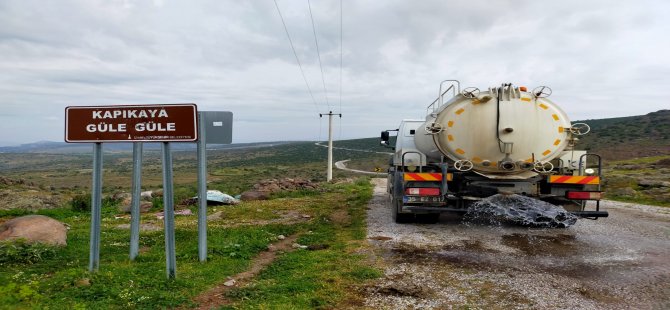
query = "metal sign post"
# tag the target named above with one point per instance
(96, 208)
(132, 123)
(168, 212)
(202, 189)
(135, 207)
(214, 127)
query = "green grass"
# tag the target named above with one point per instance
(301, 279)
(322, 278)
(621, 180)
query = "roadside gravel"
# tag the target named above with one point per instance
(619, 262)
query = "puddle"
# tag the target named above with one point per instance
(557, 245)
(520, 211)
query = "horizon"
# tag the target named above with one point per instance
(4, 144)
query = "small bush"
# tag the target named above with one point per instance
(81, 203)
(157, 204)
(21, 252)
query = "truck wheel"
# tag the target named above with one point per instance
(400, 218)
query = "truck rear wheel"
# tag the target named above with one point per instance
(400, 218)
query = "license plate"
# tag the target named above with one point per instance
(423, 199)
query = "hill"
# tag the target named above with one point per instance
(629, 137)
(613, 138)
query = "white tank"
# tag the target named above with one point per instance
(502, 130)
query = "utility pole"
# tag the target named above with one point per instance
(330, 144)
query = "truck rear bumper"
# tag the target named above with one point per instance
(588, 214)
(432, 209)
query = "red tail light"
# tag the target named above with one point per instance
(584, 195)
(431, 191)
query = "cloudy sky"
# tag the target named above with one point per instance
(601, 58)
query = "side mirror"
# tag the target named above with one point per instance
(385, 137)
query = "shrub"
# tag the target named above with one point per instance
(81, 203)
(21, 252)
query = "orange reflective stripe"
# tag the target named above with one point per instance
(423, 177)
(569, 179)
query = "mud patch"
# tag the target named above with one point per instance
(380, 238)
(341, 217)
(404, 290)
(556, 245)
(215, 297)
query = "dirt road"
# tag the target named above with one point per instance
(620, 262)
(342, 165)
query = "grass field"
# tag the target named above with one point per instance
(57, 278)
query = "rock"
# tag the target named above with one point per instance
(229, 283)
(215, 216)
(629, 167)
(298, 246)
(272, 188)
(281, 237)
(147, 195)
(144, 207)
(625, 191)
(83, 282)
(35, 228)
(255, 195)
(653, 183)
(189, 201)
(121, 196)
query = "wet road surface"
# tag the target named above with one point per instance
(619, 262)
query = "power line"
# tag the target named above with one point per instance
(341, 56)
(340, 123)
(318, 53)
(296, 57)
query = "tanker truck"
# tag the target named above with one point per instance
(474, 144)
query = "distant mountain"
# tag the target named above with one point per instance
(628, 137)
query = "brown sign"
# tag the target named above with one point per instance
(132, 123)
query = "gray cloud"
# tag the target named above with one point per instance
(602, 59)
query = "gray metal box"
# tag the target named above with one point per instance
(218, 127)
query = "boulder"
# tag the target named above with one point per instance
(123, 198)
(652, 183)
(35, 229)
